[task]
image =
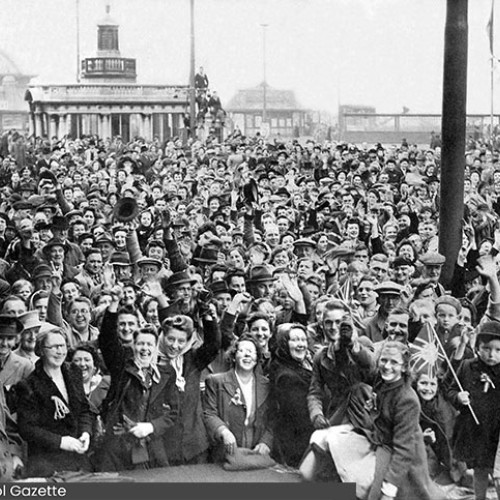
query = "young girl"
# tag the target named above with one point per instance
(437, 419)
(387, 460)
(480, 379)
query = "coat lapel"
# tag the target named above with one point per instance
(261, 390)
(230, 383)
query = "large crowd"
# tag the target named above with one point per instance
(248, 302)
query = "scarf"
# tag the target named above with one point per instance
(177, 363)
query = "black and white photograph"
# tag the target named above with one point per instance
(252, 243)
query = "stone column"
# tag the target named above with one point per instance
(168, 132)
(38, 123)
(147, 128)
(62, 126)
(106, 130)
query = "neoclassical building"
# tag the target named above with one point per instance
(108, 101)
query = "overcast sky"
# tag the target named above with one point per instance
(383, 53)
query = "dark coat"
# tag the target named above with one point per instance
(291, 423)
(129, 395)
(400, 455)
(335, 378)
(39, 426)
(439, 416)
(10, 442)
(187, 438)
(220, 412)
(476, 444)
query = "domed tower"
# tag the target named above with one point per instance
(108, 66)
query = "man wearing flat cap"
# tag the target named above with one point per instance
(432, 263)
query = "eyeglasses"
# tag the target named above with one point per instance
(55, 347)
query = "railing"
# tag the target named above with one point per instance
(391, 128)
(108, 67)
(106, 91)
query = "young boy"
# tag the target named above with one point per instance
(480, 378)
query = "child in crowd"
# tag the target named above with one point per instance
(476, 442)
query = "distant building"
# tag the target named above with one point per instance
(108, 101)
(13, 85)
(284, 114)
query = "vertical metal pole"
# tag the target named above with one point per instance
(78, 41)
(264, 101)
(453, 134)
(492, 119)
(192, 97)
(492, 73)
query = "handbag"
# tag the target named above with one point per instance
(246, 459)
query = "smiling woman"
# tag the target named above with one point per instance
(53, 413)
(236, 404)
(136, 413)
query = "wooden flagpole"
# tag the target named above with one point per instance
(454, 373)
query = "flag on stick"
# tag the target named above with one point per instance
(489, 27)
(425, 354)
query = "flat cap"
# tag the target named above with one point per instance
(432, 259)
(388, 288)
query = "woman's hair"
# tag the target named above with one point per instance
(146, 303)
(179, 322)
(280, 249)
(19, 284)
(147, 329)
(42, 339)
(257, 316)
(87, 347)
(231, 354)
(405, 352)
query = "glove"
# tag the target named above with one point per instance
(69, 443)
(320, 422)
(142, 429)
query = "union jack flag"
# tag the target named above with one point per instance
(426, 354)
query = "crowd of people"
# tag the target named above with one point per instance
(248, 302)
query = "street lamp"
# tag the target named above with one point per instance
(264, 85)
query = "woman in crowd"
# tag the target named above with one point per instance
(53, 412)
(95, 384)
(179, 348)
(136, 412)
(236, 403)
(259, 327)
(290, 376)
(150, 312)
